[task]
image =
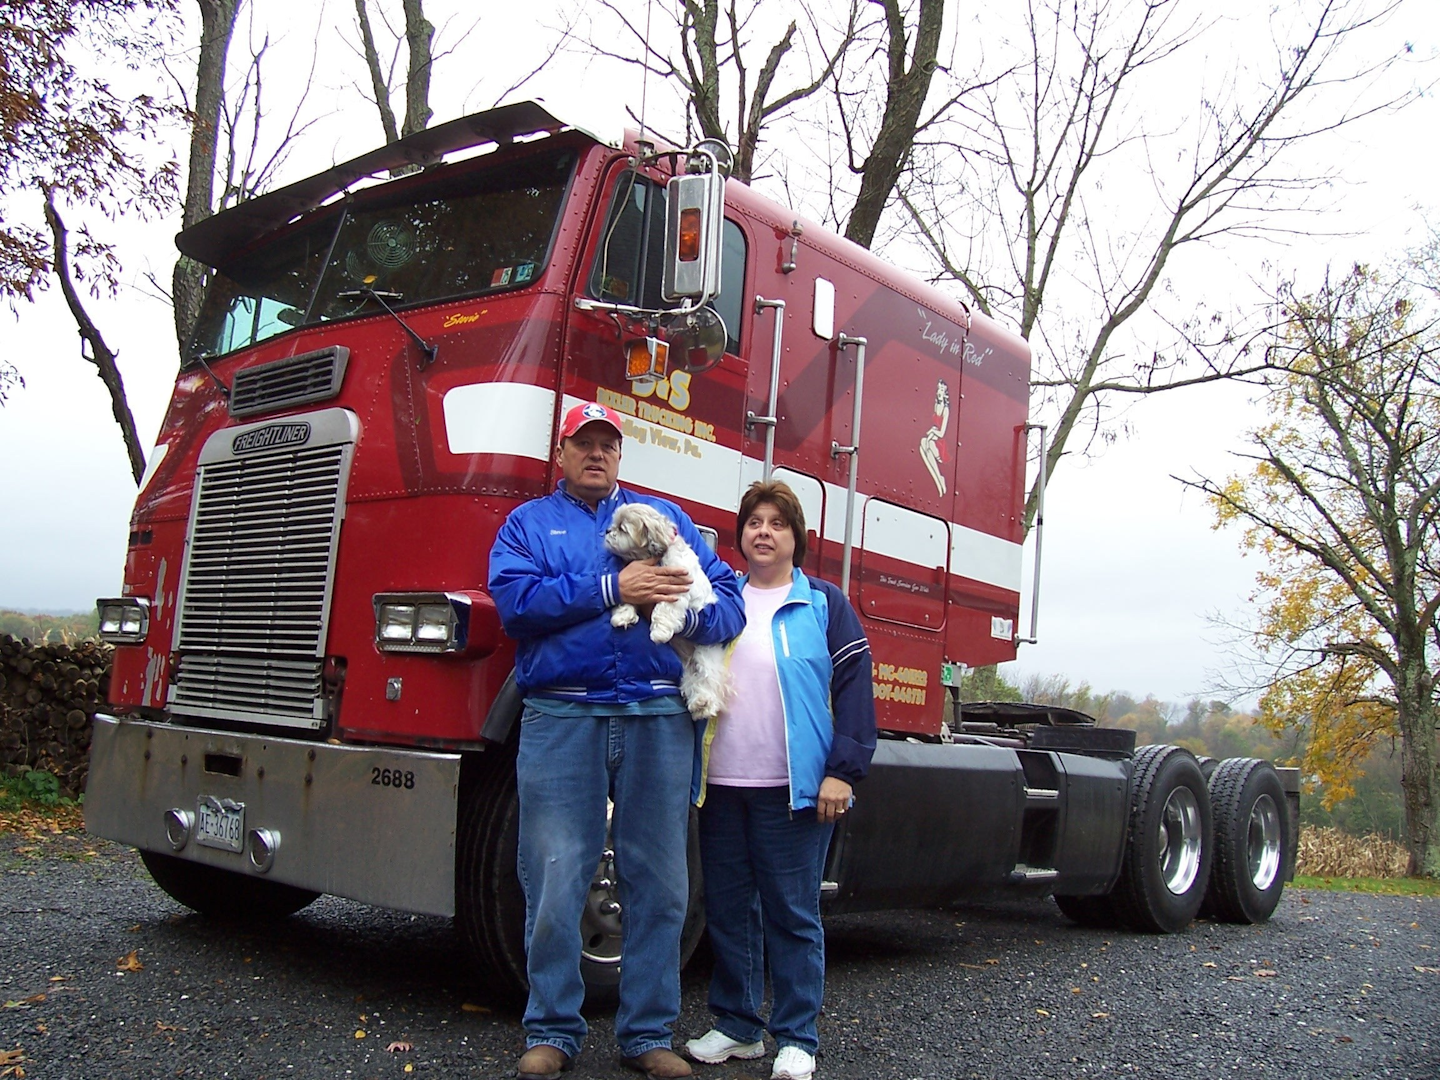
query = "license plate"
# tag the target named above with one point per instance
(219, 823)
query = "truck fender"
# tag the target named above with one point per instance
(504, 712)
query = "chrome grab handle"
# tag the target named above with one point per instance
(1032, 639)
(842, 343)
(772, 416)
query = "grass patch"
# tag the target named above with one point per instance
(1389, 886)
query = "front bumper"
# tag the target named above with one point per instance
(370, 823)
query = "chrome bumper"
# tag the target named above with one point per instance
(369, 823)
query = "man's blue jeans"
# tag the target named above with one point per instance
(567, 767)
(762, 867)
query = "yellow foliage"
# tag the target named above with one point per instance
(1347, 457)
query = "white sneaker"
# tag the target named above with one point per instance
(715, 1046)
(792, 1063)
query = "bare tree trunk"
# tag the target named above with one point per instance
(378, 83)
(218, 24)
(1417, 722)
(712, 39)
(906, 91)
(418, 34)
(100, 354)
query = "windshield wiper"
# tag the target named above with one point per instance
(381, 298)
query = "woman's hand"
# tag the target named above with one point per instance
(834, 799)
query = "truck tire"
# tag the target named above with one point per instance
(225, 894)
(1091, 911)
(1247, 876)
(1168, 847)
(490, 904)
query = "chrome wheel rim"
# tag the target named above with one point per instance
(1180, 841)
(600, 929)
(1263, 842)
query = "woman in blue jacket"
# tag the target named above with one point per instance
(777, 769)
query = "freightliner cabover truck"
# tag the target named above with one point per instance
(312, 692)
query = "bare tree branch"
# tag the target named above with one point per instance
(100, 354)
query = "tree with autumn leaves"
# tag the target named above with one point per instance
(1342, 501)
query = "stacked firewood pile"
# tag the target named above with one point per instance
(48, 697)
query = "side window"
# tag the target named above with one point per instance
(630, 264)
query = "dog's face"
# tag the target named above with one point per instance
(638, 531)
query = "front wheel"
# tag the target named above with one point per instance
(224, 893)
(1167, 853)
(1250, 835)
(490, 904)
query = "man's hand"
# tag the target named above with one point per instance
(644, 584)
(833, 800)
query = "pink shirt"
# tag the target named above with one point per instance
(749, 745)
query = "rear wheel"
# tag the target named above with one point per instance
(1167, 853)
(224, 893)
(1095, 911)
(1250, 835)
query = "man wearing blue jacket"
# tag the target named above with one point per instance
(603, 719)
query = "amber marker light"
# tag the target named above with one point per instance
(645, 358)
(689, 234)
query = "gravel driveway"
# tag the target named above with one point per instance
(1336, 985)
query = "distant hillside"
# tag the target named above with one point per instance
(39, 627)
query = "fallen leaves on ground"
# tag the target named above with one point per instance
(1427, 970)
(468, 1007)
(130, 962)
(12, 1057)
(39, 823)
(1265, 973)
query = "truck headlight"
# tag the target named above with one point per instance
(459, 623)
(124, 620)
(421, 622)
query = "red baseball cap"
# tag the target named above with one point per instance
(589, 412)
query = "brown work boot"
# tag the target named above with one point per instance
(543, 1062)
(658, 1064)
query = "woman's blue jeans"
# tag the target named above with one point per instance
(762, 868)
(568, 766)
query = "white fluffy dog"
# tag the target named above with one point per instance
(638, 531)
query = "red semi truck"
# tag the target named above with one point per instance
(311, 690)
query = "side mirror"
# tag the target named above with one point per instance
(696, 339)
(694, 216)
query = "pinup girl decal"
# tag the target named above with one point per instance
(932, 445)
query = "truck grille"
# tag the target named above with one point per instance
(295, 380)
(256, 588)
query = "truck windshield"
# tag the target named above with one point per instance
(479, 231)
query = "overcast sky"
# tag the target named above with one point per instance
(1132, 570)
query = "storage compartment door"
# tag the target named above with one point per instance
(903, 566)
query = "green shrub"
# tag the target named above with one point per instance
(33, 787)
